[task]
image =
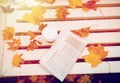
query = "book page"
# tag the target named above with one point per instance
(63, 54)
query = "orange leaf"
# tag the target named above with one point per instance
(33, 45)
(42, 26)
(17, 60)
(14, 45)
(8, 33)
(31, 34)
(33, 78)
(93, 59)
(20, 81)
(89, 5)
(75, 3)
(62, 12)
(82, 32)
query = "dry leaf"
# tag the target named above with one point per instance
(7, 9)
(20, 81)
(99, 50)
(96, 54)
(75, 3)
(93, 59)
(17, 60)
(42, 26)
(31, 34)
(89, 5)
(61, 13)
(36, 15)
(33, 78)
(33, 45)
(84, 32)
(84, 79)
(14, 45)
(8, 33)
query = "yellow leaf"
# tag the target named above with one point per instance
(93, 59)
(31, 34)
(33, 78)
(17, 60)
(8, 33)
(75, 3)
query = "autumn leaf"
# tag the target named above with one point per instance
(8, 33)
(31, 34)
(75, 3)
(61, 13)
(7, 9)
(89, 5)
(33, 78)
(96, 54)
(14, 45)
(36, 15)
(84, 79)
(99, 50)
(42, 26)
(84, 32)
(93, 59)
(33, 45)
(17, 60)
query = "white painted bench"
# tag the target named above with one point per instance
(105, 29)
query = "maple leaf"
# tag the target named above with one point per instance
(14, 45)
(84, 79)
(28, 17)
(42, 26)
(17, 60)
(99, 50)
(75, 3)
(61, 13)
(93, 59)
(96, 54)
(89, 5)
(31, 34)
(8, 33)
(33, 78)
(33, 45)
(82, 32)
(7, 9)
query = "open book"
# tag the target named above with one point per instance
(63, 54)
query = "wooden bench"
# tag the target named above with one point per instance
(105, 29)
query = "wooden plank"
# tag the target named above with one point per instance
(37, 54)
(78, 68)
(110, 37)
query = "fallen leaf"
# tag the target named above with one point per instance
(93, 59)
(84, 32)
(89, 5)
(14, 45)
(20, 81)
(61, 13)
(96, 54)
(33, 78)
(31, 34)
(75, 3)
(99, 50)
(7, 9)
(42, 26)
(48, 1)
(8, 33)
(84, 79)
(33, 45)
(17, 60)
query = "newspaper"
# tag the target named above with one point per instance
(63, 54)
